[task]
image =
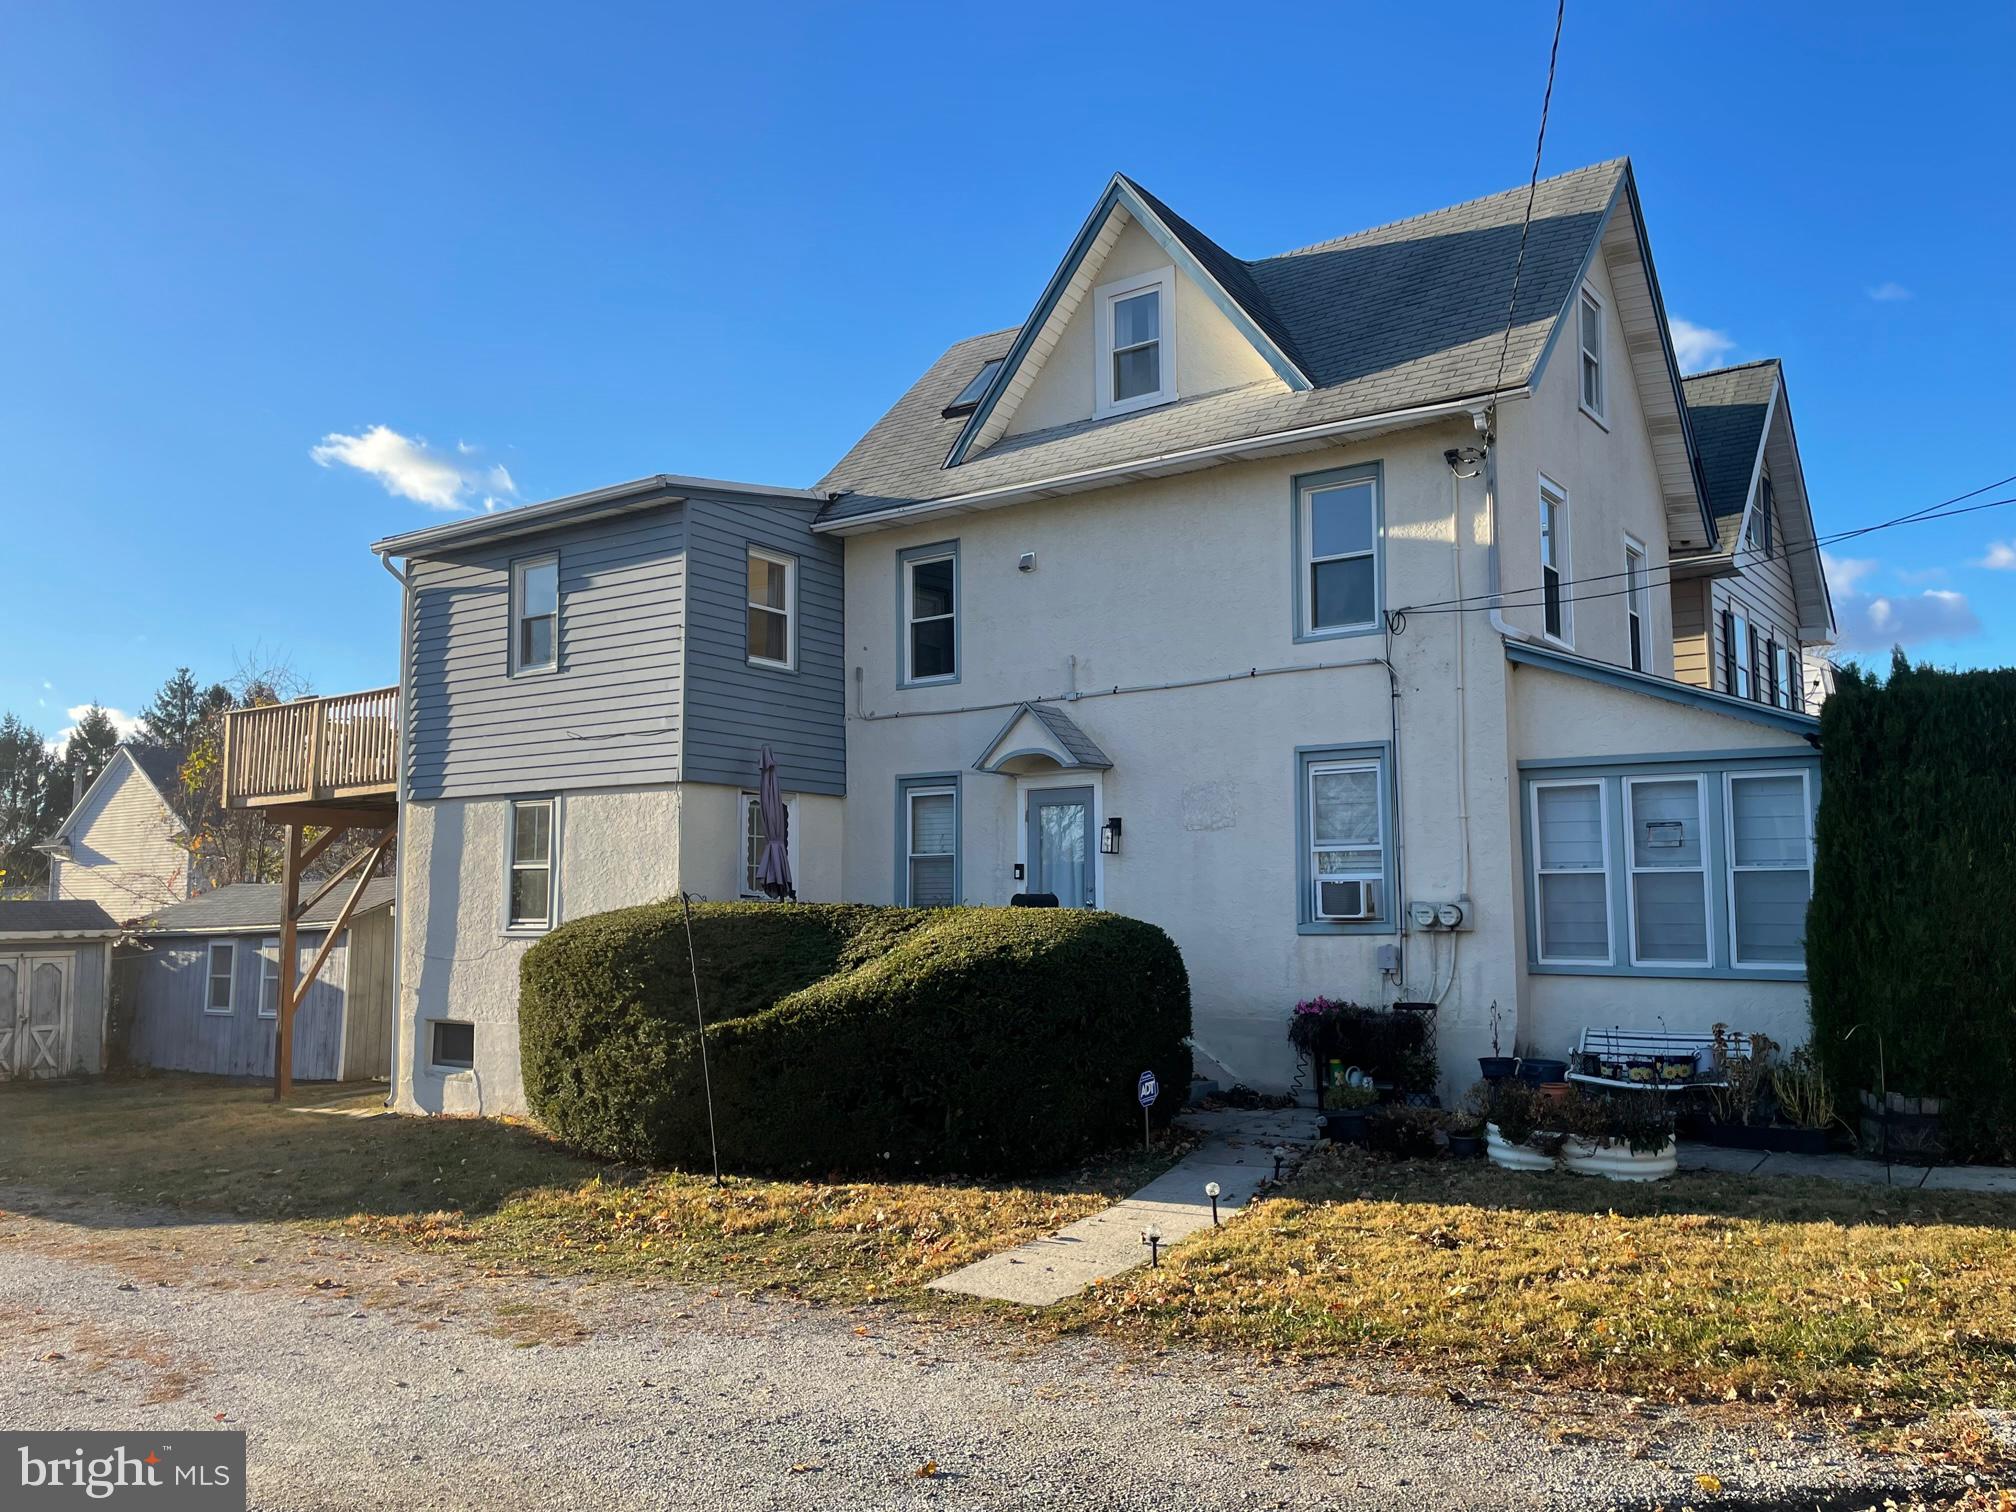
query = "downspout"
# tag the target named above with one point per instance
(1486, 421)
(401, 816)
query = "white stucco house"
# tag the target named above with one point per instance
(1296, 605)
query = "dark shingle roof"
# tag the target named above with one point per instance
(256, 905)
(162, 766)
(1728, 407)
(1407, 314)
(63, 916)
(1084, 750)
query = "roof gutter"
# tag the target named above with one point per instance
(1182, 460)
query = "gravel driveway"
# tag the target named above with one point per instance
(369, 1375)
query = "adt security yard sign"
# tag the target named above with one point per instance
(1146, 1091)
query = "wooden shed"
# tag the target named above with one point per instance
(54, 959)
(200, 988)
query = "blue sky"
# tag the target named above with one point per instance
(260, 266)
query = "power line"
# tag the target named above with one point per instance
(1532, 188)
(1520, 598)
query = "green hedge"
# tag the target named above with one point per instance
(851, 1038)
(1907, 945)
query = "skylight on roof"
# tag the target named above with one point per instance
(969, 396)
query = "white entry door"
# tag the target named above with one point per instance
(34, 1015)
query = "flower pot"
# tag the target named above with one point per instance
(1539, 1072)
(1344, 1126)
(1555, 1091)
(1619, 1162)
(1498, 1067)
(1765, 1137)
(1466, 1146)
(1511, 1157)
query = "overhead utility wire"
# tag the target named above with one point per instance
(1532, 188)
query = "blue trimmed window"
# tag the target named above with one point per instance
(1339, 542)
(927, 840)
(1344, 840)
(1671, 867)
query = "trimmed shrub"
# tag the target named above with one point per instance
(1908, 955)
(851, 1038)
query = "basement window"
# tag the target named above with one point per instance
(971, 395)
(453, 1046)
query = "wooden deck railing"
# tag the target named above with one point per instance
(313, 749)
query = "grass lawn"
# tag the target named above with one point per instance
(504, 1195)
(1703, 1287)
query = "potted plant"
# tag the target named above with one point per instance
(1406, 1131)
(1344, 1112)
(1511, 1113)
(1625, 1136)
(1466, 1135)
(1805, 1101)
(1497, 1066)
(1765, 1104)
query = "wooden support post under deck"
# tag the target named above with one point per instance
(283, 1026)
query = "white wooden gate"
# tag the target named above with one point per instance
(35, 1013)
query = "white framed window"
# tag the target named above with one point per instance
(220, 989)
(528, 883)
(1770, 840)
(1589, 331)
(1556, 613)
(1347, 842)
(451, 1045)
(1571, 866)
(1789, 663)
(755, 839)
(773, 609)
(535, 614)
(930, 845)
(1668, 863)
(1136, 320)
(1338, 522)
(1742, 667)
(269, 977)
(929, 584)
(1637, 606)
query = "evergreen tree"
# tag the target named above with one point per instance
(92, 741)
(179, 709)
(31, 790)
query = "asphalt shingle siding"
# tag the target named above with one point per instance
(256, 905)
(1403, 315)
(64, 916)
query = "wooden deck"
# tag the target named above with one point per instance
(337, 753)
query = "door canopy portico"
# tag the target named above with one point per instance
(1041, 738)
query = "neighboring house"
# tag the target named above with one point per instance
(1286, 604)
(54, 960)
(1752, 615)
(124, 844)
(199, 988)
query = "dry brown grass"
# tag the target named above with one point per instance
(1699, 1288)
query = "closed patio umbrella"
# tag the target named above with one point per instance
(773, 872)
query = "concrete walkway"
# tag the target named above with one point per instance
(1999, 1179)
(1237, 1153)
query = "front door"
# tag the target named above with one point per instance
(34, 1015)
(1060, 845)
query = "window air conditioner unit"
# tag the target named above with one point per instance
(1347, 901)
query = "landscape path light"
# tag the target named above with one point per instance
(1211, 1191)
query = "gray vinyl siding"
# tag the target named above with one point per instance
(169, 1029)
(732, 707)
(608, 715)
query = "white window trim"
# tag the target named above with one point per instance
(519, 666)
(552, 865)
(1164, 281)
(792, 833)
(1306, 522)
(911, 855)
(1311, 844)
(912, 619)
(1560, 539)
(1540, 870)
(210, 974)
(1729, 781)
(1638, 602)
(443, 1068)
(269, 971)
(789, 611)
(1742, 633)
(1600, 413)
(1633, 870)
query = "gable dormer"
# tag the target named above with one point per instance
(1143, 311)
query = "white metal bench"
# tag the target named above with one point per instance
(1638, 1051)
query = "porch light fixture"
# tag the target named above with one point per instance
(1109, 837)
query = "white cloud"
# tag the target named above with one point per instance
(410, 469)
(2001, 555)
(1889, 293)
(1875, 622)
(1698, 347)
(1843, 573)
